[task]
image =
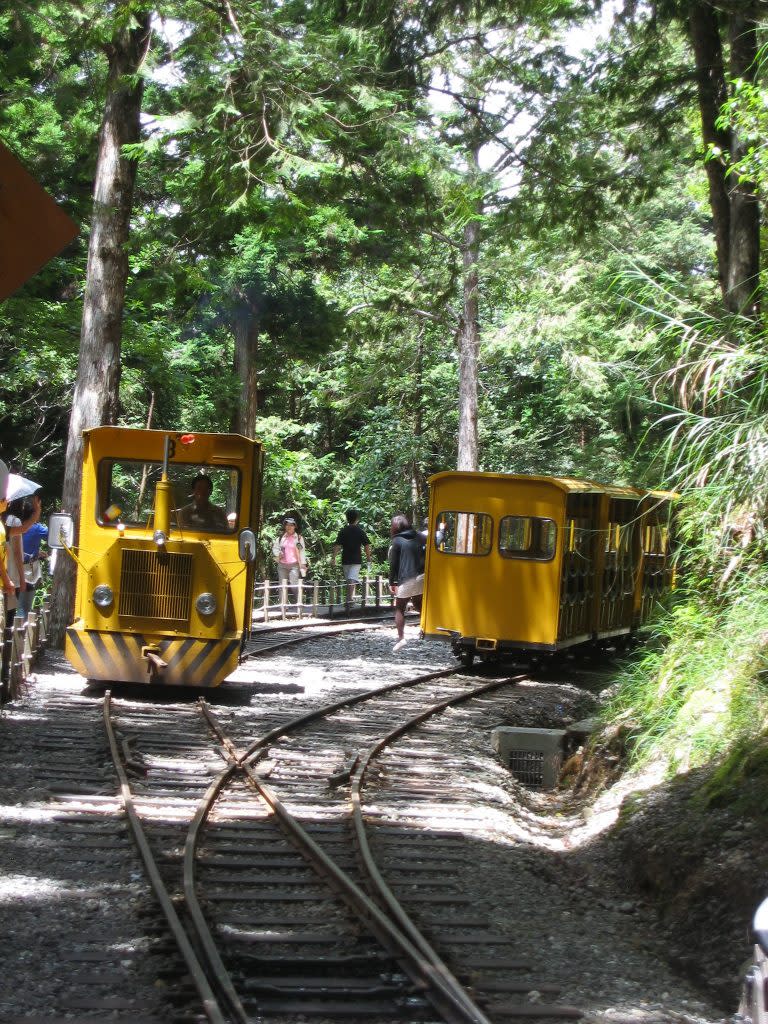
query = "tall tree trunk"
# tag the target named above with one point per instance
(95, 399)
(734, 204)
(704, 28)
(246, 368)
(469, 349)
(744, 242)
(418, 487)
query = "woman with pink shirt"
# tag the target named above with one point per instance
(290, 554)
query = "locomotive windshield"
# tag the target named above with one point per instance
(205, 499)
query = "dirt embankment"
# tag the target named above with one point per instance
(704, 868)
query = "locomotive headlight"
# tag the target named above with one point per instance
(103, 596)
(159, 538)
(206, 604)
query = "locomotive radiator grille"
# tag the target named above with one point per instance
(154, 586)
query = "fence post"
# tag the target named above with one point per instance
(27, 650)
(17, 675)
(300, 596)
(7, 659)
(366, 589)
(42, 623)
(315, 597)
(283, 597)
(33, 628)
(378, 591)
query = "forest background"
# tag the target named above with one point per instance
(390, 238)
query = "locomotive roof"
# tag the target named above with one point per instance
(107, 429)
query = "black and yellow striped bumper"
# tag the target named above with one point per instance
(120, 657)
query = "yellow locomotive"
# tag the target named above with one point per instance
(167, 539)
(540, 563)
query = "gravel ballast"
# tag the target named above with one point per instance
(549, 870)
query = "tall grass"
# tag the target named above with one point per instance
(699, 692)
(701, 685)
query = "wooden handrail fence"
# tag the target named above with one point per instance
(22, 643)
(319, 598)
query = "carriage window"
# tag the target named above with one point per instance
(464, 533)
(527, 537)
(656, 539)
(580, 537)
(127, 495)
(620, 536)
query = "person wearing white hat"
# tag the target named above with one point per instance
(7, 587)
(13, 577)
(14, 528)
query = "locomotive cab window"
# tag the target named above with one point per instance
(527, 537)
(464, 533)
(127, 495)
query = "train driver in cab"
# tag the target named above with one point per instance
(201, 513)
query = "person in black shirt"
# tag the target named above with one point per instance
(406, 571)
(350, 541)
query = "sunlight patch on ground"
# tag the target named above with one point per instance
(37, 888)
(28, 887)
(40, 812)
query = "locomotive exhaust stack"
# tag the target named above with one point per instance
(163, 500)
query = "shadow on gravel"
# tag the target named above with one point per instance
(170, 694)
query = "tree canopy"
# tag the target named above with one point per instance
(360, 230)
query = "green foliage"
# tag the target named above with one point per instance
(698, 691)
(711, 394)
(740, 781)
(746, 113)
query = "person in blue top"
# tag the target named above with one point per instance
(34, 533)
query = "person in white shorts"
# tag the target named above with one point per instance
(351, 541)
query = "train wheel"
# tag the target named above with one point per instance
(467, 657)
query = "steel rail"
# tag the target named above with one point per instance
(294, 724)
(436, 987)
(317, 856)
(210, 1003)
(204, 936)
(389, 899)
(406, 944)
(252, 650)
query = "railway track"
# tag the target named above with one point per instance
(394, 792)
(265, 639)
(287, 877)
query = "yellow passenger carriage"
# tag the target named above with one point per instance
(167, 538)
(540, 563)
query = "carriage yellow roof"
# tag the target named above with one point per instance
(563, 483)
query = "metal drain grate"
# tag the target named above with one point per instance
(534, 756)
(528, 767)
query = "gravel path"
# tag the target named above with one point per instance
(545, 870)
